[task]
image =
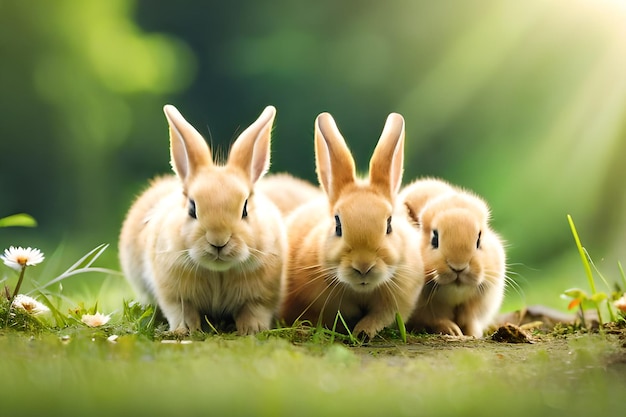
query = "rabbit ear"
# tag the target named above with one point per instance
(251, 150)
(189, 150)
(387, 163)
(335, 165)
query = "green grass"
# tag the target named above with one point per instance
(85, 374)
(600, 301)
(75, 370)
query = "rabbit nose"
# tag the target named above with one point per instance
(362, 267)
(218, 247)
(218, 243)
(457, 268)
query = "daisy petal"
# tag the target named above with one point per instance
(30, 305)
(95, 320)
(19, 257)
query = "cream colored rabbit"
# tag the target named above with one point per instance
(204, 242)
(347, 253)
(287, 191)
(465, 266)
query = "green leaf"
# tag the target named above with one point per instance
(589, 304)
(599, 296)
(576, 293)
(401, 326)
(21, 219)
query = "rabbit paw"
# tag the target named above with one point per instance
(473, 328)
(182, 319)
(252, 319)
(181, 331)
(445, 326)
(367, 327)
(192, 320)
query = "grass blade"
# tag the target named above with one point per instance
(87, 260)
(353, 339)
(99, 249)
(59, 318)
(585, 261)
(401, 327)
(583, 255)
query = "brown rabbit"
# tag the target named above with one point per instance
(287, 191)
(465, 266)
(204, 242)
(347, 254)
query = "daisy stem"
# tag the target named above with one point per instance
(19, 284)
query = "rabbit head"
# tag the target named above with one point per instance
(454, 229)
(360, 246)
(220, 217)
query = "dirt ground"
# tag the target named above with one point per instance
(518, 335)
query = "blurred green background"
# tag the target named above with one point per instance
(522, 101)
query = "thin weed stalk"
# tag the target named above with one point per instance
(351, 337)
(586, 264)
(611, 313)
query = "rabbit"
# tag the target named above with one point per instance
(347, 254)
(465, 266)
(414, 196)
(204, 241)
(287, 191)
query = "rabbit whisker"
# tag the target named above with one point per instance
(404, 273)
(333, 283)
(321, 274)
(258, 257)
(431, 287)
(389, 286)
(510, 283)
(181, 258)
(482, 288)
(314, 266)
(258, 254)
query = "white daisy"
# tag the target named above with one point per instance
(30, 305)
(18, 258)
(95, 320)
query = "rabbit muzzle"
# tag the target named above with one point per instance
(459, 276)
(361, 277)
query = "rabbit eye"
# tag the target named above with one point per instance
(244, 214)
(337, 226)
(389, 225)
(192, 209)
(435, 239)
(478, 241)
